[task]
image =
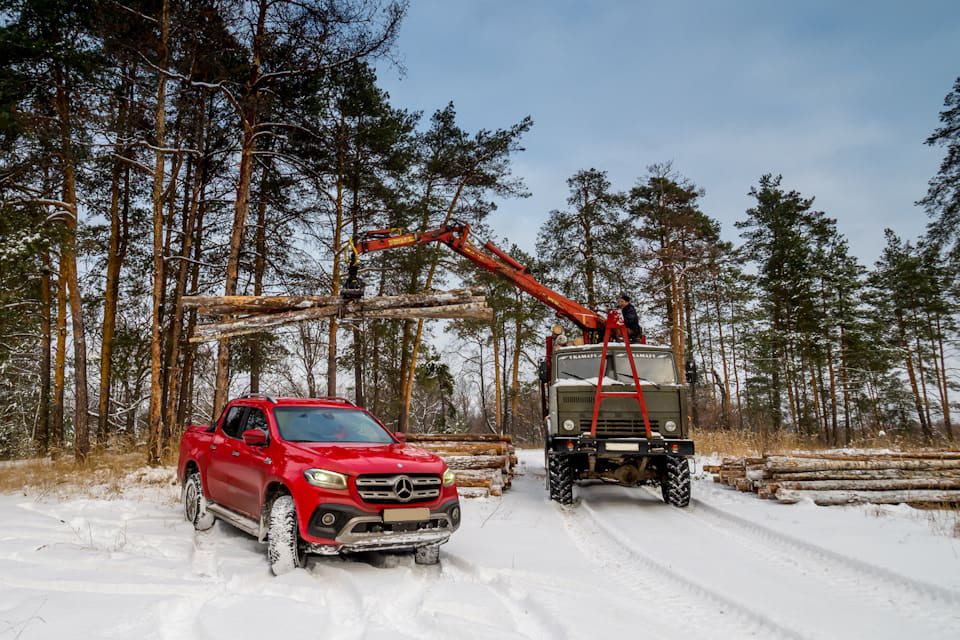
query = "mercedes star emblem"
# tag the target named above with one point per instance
(403, 488)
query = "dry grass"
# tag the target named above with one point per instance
(746, 444)
(104, 474)
(751, 444)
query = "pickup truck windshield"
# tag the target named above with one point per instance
(653, 366)
(327, 424)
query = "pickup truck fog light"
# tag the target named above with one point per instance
(448, 478)
(670, 426)
(569, 425)
(328, 519)
(325, 479)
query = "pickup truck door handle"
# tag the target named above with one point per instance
(235, 453)
(213, 446)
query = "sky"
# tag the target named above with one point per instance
(838, 97)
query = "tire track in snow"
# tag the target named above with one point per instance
(668, 590)
(828, 562)
(535, 621)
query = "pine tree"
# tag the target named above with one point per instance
(587, 251)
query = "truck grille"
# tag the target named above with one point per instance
(620, 427)
(398, 488)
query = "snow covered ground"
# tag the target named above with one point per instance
(620, 562)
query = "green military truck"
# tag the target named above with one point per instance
(618, 450)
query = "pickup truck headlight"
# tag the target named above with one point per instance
(448, 478)
(670, 426)
(325, 479)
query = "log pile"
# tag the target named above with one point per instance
(241, 315)
(920, 478)
(483, 463)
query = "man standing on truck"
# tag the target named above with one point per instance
(630, 318)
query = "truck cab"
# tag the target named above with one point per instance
(619, 449)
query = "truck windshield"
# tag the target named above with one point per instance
(327, 424)
(655, 367)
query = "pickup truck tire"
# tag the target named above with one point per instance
(429, 554)
(283, 537)
(560, 477)
(675, 481)
(195, 505)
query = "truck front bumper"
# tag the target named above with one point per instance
(354, 530)
(623, 446)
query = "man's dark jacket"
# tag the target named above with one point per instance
(631, 320)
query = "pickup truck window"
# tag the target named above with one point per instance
(256, 420)
(328, 424)
(233, 423)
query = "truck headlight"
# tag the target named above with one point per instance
(569, 425)
(448, 478)
(670, 426)
(325, 479)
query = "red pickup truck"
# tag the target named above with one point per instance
(316, 476)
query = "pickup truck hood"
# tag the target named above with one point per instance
(355, 459)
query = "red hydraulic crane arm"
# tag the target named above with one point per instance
(489, 258)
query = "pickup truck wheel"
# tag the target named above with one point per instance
(283, 537)
(195, 505)
(429, 554)
(675, 481)
(560, 476)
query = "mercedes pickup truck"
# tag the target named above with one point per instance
(316, 476)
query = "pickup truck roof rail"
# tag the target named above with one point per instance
(269, 399)
(337, 399)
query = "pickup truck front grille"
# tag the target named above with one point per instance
(401, 488)
(620, 427)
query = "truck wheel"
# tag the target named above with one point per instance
(429, 554)
(283, 537)
(675, 481)
(195, 505)
(560, 474)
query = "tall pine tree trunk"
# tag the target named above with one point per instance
(43, 419)
(155, 422)
(68, 269)
(60, 364)
(911, 374)
(411, 368)
(249, 118)
(259, 266)
(944, 393)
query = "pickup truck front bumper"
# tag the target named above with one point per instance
(350, 530)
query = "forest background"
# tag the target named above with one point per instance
(154, 150)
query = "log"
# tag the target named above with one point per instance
(255, 324)
(475, 462)
(476, 310)
(828, 498)
(465, 448)
(451, 304)
(874, 474)
(786, 465)
(863, 455)
(870, 485)
(228, 305)
(457, 437)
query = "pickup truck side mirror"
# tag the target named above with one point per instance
(543, 372)
(402, 437)
(254, 438)
(691, 370)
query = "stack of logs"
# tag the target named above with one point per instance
(242, 315)
(920, 478)
(483, 463)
